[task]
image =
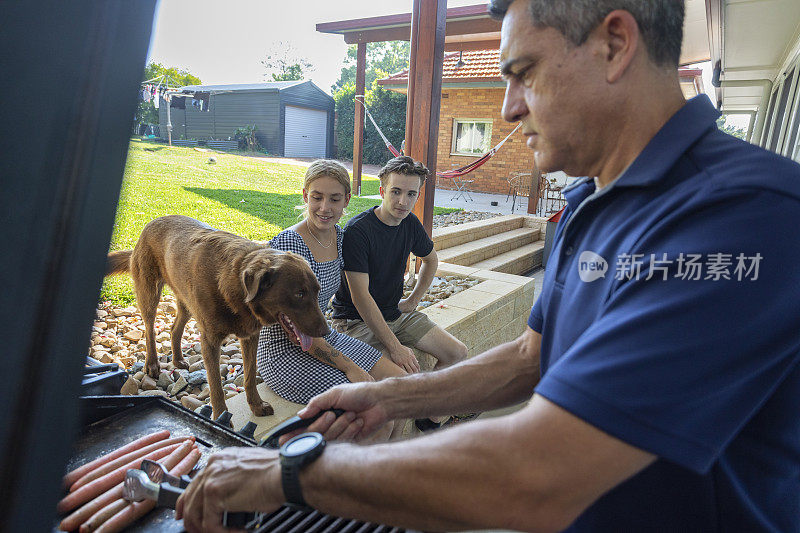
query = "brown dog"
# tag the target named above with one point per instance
(229, 284)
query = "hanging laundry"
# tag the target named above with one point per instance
(203, 98)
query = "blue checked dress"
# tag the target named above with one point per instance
(289, 371)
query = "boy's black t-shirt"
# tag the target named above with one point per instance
(381, 251)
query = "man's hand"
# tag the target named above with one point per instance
(235, 479)
(364, 413)
(406, 305)
(357, 374)
(404, 357)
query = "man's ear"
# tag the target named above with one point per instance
(255, 277)
(620, 33)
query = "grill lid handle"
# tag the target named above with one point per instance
(291, 424)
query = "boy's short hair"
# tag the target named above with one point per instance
(406, 166)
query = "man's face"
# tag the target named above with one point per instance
(555, 89)
(399, 195)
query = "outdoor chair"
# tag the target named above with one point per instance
(519, 184)
(461, 185)
(513, 182)
(552, 197)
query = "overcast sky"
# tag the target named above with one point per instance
(224, 42)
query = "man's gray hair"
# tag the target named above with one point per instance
(660, 21)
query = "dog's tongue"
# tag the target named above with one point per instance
(305, 340)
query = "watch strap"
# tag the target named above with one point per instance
(290, 479)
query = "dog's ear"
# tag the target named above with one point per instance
(257, 276)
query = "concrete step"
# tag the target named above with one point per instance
(478, 250)
(517, 261)
(449, 237)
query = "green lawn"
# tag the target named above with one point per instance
(243, 195)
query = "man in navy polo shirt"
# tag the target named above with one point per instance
(661, 359)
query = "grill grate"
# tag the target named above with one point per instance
(293, 520)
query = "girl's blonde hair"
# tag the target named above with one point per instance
(330, 168)
(325, 167)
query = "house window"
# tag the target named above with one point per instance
(471, 136)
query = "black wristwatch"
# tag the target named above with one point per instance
(296, 454)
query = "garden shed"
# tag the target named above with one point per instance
(293, 118)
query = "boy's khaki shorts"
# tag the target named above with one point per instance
(409, 328)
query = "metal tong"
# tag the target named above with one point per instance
(158, 474)
(153, 482)
(139, 487)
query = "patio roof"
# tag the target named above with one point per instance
(471, 28)
(752, 43)
(467, 28)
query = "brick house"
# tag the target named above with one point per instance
(470, 121)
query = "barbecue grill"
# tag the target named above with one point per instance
(113, 421)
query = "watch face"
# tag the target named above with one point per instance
(301, 444)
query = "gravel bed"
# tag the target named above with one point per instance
(460, 217)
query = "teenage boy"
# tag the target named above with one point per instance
(376, 246)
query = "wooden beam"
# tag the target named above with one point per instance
(358, 127)
(468, 46)
(400, 33)
(384, 21)
(403, 33)
(533, 194)
(425, 91)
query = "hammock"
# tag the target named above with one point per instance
(456, 172)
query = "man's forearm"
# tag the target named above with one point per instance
(428, 483)
(502, 376)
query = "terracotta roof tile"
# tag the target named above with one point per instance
(478, 64)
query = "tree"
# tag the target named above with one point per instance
(286, 64)
(146, 112)
(383, 59)
(387, 107)
(174, 76)
(731, 129)
(389, 110)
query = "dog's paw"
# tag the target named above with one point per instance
(262, 409)
(153, 370)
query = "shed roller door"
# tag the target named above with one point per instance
(306, 132)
